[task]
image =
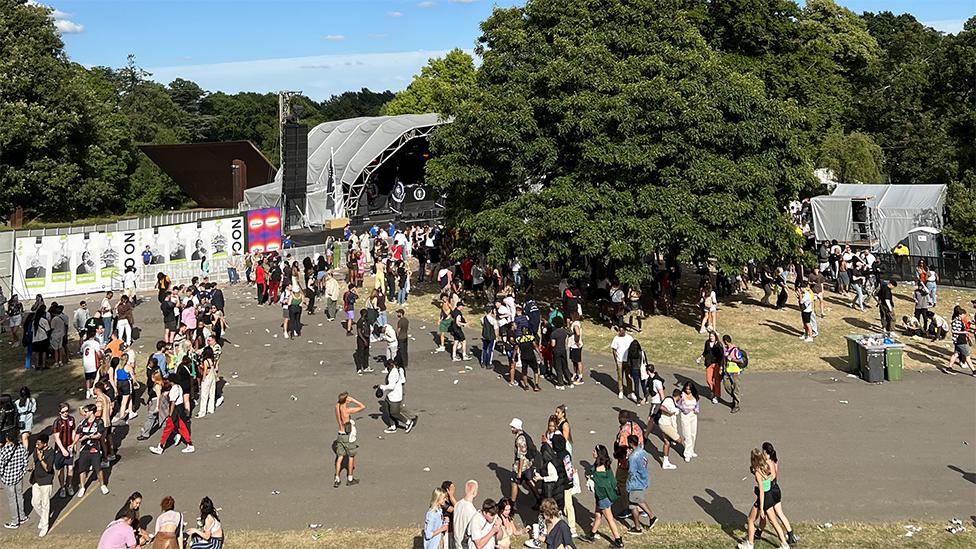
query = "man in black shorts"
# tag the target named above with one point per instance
(88, 442)
(64, 432)
(527, 346)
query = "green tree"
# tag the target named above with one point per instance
(607, 134)
(62, 154)
(854, 157)
(442, 85)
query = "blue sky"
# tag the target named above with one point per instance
(320, 47)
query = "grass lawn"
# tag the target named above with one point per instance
(697, 536)
(771, 337)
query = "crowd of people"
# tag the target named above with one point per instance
(181, 375)
(525, 341)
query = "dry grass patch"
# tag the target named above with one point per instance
(686, 536)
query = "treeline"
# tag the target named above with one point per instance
(69, 135)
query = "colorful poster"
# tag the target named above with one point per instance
(264, 230)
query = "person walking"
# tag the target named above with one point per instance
(42, 482)
(620, 346)
(523, 465)
(735, 361)
(604, 487)
(962, 341)
(331, 296)
(637, 484)
(764, 477)
(712, 356)
(689, 407)
(560, 356)
(392, 391)
(178, 412)
(26, 408)
(13, 465)
(435, 523)
(88, 441)
(345, 444)
(770, 454)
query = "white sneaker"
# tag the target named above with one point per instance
(687, 458)
(81, 492)
(390, 429)
(466, 357)
(694, 455)
(744, 545)
(667, 465)
(455, 359)
(632, 396)
(220, 400)
(104, 489)
(189, 449)
(440, 350)
(42, 532)
(714, 400)
(156, 450)
(620, 395)
(133, 415)
(286, 335)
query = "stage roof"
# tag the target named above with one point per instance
(357, 146)
(203, 170)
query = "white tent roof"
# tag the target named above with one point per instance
(894, 210)
(355, 144)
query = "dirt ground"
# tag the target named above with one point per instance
(850, 451)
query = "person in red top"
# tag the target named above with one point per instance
(466, 265)
(260, 282)
(63, 431)
(628, 426)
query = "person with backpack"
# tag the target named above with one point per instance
(736, 360)
(524, 464)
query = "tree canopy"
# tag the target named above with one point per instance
(442, 85)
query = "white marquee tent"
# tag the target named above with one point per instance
(877, 215)
(353, 149)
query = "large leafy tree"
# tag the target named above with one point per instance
(442, 85)
(607, 132)
(62, 154)
(854, 158)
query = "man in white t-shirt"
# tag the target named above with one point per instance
(668, 423)
(91, 357)
(620, 345)
(464, 511)
(484, 527)
(106, 309)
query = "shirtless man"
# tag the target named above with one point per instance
(346, 444)
(103, 411)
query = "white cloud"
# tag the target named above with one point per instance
(68, 27)
(61, 21)
(334, 37)
(318, 76)
(948, 26)
(393, 14)
(427, 4)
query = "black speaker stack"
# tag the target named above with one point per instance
(294, 179)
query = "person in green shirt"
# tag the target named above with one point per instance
(603, 484)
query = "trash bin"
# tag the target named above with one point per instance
(853, 353)
(894, 361)
(872, 363)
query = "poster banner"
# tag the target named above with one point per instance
(91, 262)
(264, 230)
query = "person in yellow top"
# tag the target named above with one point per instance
(901, 249)
(735, 361)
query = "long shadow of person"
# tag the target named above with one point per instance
(604, 379)
(722, 512)
(968, 475)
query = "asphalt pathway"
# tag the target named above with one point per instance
(849, 450)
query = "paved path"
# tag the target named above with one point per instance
(849, 450)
